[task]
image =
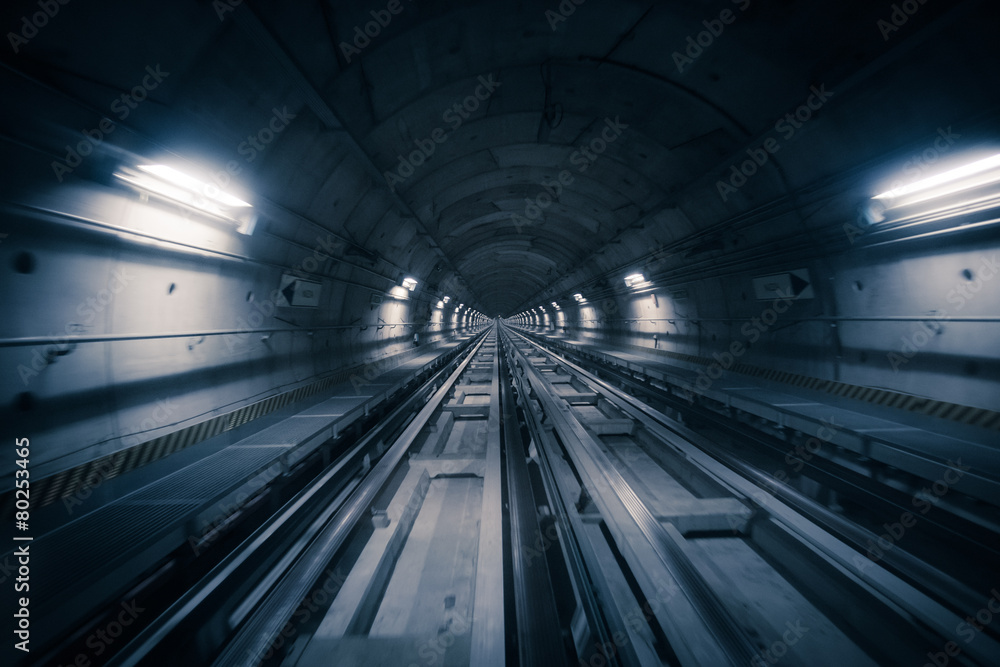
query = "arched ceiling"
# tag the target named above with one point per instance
(610, 75)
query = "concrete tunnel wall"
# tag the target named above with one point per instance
(935, 356)
(654, 199)
(93, 398)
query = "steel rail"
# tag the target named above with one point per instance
(577, 554)
(943, 587)
(536, 610)
(488, 640)
(698, 626)
(824, 532)
(257, 633)
(214, 589)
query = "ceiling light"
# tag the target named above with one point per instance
(399, 292)
(192, 184)
(635, 280)
(169, 183)
(410, 283)
(961, 178)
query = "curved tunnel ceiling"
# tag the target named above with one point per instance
(434, 144)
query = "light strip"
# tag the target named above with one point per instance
(399, 292)
(635, 280)
(965, 171)
(208, 190)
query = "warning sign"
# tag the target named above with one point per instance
(298, 293)
(794, 284)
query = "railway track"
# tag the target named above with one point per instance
(518, 509)
(722, 566)
(854, 496)
(415, 555)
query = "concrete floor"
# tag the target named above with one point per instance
(409, 598)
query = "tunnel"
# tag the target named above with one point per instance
(549, 332)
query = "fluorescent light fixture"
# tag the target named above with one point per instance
(192, 184)
(171, 184)
(961, 178)
(579, 297)
(410, 283)
(399, 292)
(635, 280)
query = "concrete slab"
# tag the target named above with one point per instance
(374, 565)
(432, 586)
(769, 606)
(448, 649)
(658, 490)
(333, 407)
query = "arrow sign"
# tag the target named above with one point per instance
(298, 293)
(795, 284)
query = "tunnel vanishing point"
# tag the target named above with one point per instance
(554, 332)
